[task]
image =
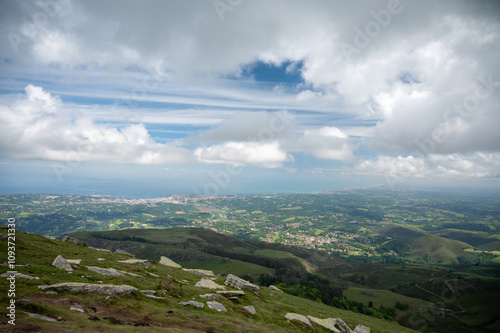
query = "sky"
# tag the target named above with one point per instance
(149, 98)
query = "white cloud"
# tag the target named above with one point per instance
(38, 126)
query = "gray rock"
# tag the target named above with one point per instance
(34, 315)
(101, 259)
(51, 292)
(216, 306)
(23, 301)
(193, 303)
(155, 297)
(107, 289)
(77, 308)
(127, 273)
(104, 271)
(19, 275)
(136, 261)
(74, 261)
(124, 252)
(61, 263)
(328, 323)
(362, 329)
(209, 284)
(250, 309)
(148, 292)
(73, 240)
(236, 282)
(343, 326)
(153, 274)
(275, 288)
(231, 293)
(199, 271)
(168, 262)
(298, 317)
(103, 250)
(212, 297)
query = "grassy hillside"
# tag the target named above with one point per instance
(133, 312)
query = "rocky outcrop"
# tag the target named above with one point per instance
(19, 275)
(295, 316)
(136, 261)
(61, 263)
(77, 308)
(212, 297)
(167, 262)
(362, 329)
(37, 316)
(328, 323)
(107, 289)
(209, 284)
(193, 303)
(236, 282)
(74, 261)
(73, 240)
(250, 309)
(216, 306)
(343, 326)
(124, 252)
(199, 271)
(104, 271)
(231, 293)
(274, 288)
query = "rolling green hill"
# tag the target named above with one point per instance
(136, 312)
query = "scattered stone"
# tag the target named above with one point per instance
(216, 306)
(101, 259)
(103, 250)
(124, 252)
(73, 240)
(74, 261)
(61, 263)
(212, 297)
(148, 292)
(77, 308)
(51, 292)
(343, 326)
(107, 289)
(250, 309)
(109, 297)
(19, 275)
(127, 273)
(199, 271)
(23, 301)
(275, 288)
(34, 315)
(362, 329)
(236, 282)
(295, 316)
(193, 303)
(328, 323)
(104, 271)
(153, 274)
(167, 262)
(136, 261)
(231, 293)
(155, 297)
(207, 283)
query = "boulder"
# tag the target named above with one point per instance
(107, 289)
(328, 323)
(216, 306)
(61, 263)
(124, 252)
(231, 293)
(343, 326)
(74, 261)
(154, 297)
(295, 316)
(209, 284)
(275, 288)
(362, 329)
(193, 303)
(77, 308)
(167, 262)
(104, 271)
(73, 240)
(212, 297)
(199, 271)
(250, 309)
(19, 275)
(236, 282)
(35, 315)
(136, 261)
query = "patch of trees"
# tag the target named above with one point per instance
(255, 259)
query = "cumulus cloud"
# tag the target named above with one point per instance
(39, 126)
